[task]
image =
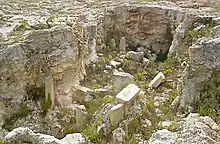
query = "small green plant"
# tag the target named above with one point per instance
(105, 59)
(205, 31)
(108, 99)
(50, 20)
(46, 103)
(165, 107)
(169, 65)
(134, 126)
(68, 130)
(92, 131)
(23, 24)
(162, 56)
(173, 126)
(142, 75)
(149, 106)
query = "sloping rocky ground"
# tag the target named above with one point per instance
(84, 71)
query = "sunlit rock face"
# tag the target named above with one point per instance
(24, 65)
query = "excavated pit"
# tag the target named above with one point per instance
(149, 26)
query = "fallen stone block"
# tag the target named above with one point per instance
(121, 80)
(116, 114)
(81, 117)
(157, 80)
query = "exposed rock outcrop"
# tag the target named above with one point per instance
(192, 129)
(203, 59)
(23, 135)
(197, 129)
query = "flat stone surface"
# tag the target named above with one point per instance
(129, 93)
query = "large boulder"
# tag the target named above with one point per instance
(192, 129)
(197, 129)
(23, 135)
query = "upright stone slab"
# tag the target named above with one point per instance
(49, 88)
(93, 31)
(112, 44)
(122, 46)
(128, 95)
(116, 114)
(121, 80)
(81, 117)
(157, 80)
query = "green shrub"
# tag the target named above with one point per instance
(134, 126)
(91, 131)
(210, 98)
(162, 56)
(2, 142)
(193, 34)
(22, 112)
(23, 24)
(46, 103)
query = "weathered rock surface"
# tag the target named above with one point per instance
(23, 135)
(118, 135)
(58, 50)
(203, 59)
(163, 137)
(192, 129)
(136, 56)
(197, 129)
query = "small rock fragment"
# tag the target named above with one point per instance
(115, 64)
(136, 56)
(146, 61)
(81, 93)
(118, 135)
